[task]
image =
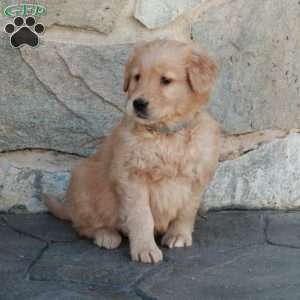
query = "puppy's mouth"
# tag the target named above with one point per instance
(141, 115)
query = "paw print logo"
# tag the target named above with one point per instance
(24, 32)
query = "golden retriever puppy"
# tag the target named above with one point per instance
(149, 175)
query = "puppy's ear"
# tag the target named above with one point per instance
(127, 75)
(202, 72)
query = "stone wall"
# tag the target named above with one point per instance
(59, 100)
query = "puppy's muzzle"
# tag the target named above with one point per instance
(140, 106)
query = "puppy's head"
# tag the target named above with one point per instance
(167, 80)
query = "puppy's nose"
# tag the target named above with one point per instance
(140, 105)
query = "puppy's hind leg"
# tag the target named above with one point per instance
(56, 208)
(107, 238)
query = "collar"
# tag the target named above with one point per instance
(168, 129)
(173, 128)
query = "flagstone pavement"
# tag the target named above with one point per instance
(236, 255)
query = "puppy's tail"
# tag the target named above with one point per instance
(56, 208)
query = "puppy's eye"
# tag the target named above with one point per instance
(137, 77)
(165, 81)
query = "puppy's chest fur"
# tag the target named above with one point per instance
(173, 167)
(172, 171)
(185, 154)
(165, 158)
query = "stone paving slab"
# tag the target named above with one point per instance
(17, 253)
(283, 229)
(42, 226)
(46, 290)
(236, 255)
(258, 273)
(82, 262)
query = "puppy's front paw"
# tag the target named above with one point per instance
(151, 254)
(172, 240)
(107, 238)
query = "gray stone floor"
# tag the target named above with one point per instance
(237, 255)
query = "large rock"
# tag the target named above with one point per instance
(93, 14)
(25, 176)
(59, 96)
(154, 14)
(234, 146)
(257, 44)
(268, 177)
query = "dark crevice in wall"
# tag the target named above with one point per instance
(42, 150)
(61, 103)
(86, 85)
(239, 152)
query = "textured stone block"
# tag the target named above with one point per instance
(257, 45)
(59, 96)
(26, 176)
(90, 15)
(154, 14)
(264, 178)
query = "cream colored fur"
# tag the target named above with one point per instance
(143, 182)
